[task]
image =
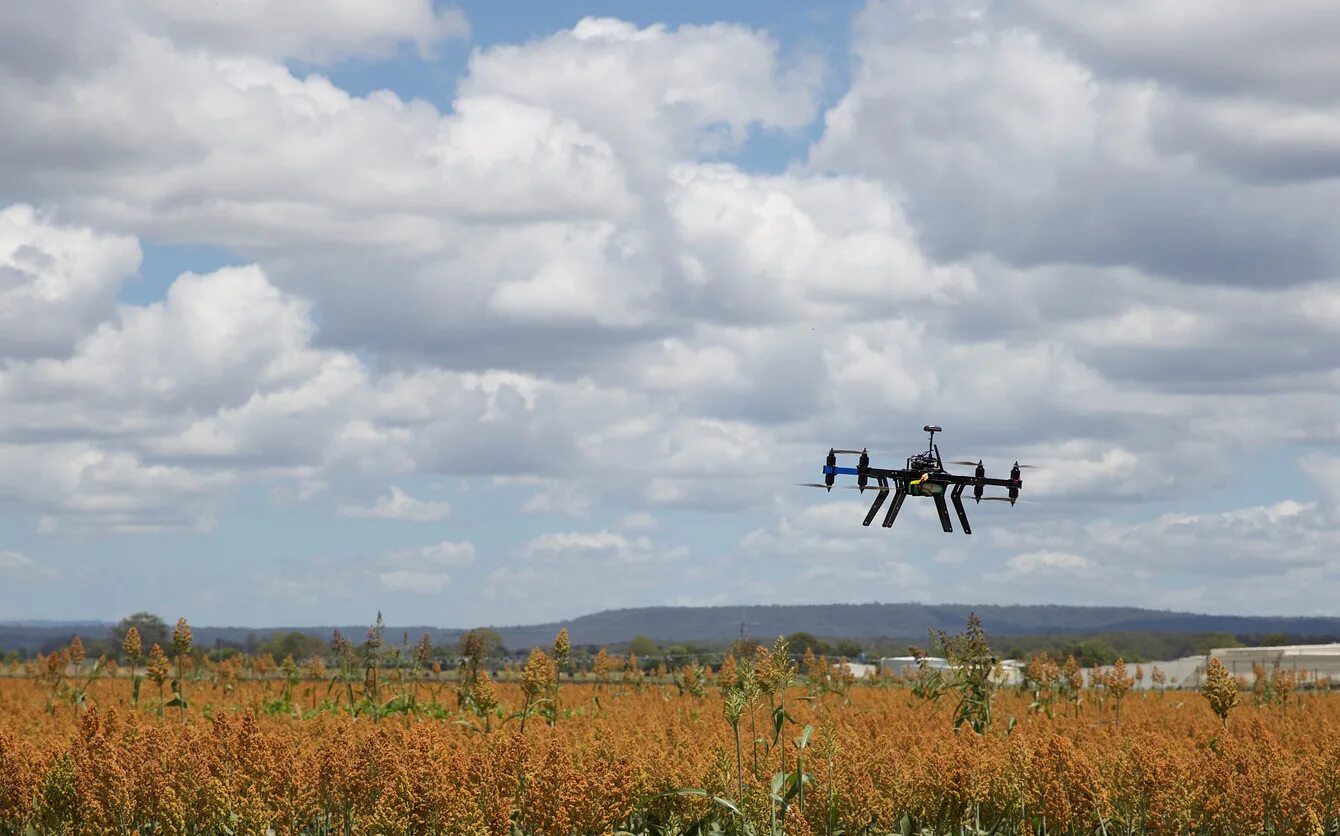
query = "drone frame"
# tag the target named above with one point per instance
(907, 481)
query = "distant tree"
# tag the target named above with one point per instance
(643, 646)
(294, 643)
(1205, 642)
(847, 647)
(1091, 653)
(1274, 640)
(481, 642)
(152, 629)
(800, 642)
(743, 648)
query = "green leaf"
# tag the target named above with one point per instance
(177, 701)
(778, 719)
(700, 793)
(804, 739)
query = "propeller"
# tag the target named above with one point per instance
(866, 488)
(851, 452)
(1007, 499)
(974, 464)
(813, 485)
(968, 464)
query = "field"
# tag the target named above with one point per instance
(766, 746)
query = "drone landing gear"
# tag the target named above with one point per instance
(957, 497)
(899, 494)
(883, 490)
(898, 497)
(943, 510)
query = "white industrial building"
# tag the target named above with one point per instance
(901, 666)
(858, 670)
(1310, 662)
(1010, 671)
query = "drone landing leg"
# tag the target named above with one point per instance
(956, 496)
(879, 500)
(898, 496)
(944, 513)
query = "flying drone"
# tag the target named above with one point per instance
(924, 475)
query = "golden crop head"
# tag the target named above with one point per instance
(1072, 674)
(423, 652)
(1219, 688)
(341, 647)
(56, 663)
(485, 695)
(76, 651)
(561, 646)
(157, 664)
(602, 664)
(181, 638)
(727, 675)
(131, 645)
(1116, 681)
(1042, 670)
(539, 674)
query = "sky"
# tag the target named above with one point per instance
(484, 315)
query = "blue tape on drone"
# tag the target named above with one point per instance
(849, 471)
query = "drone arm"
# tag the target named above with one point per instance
(956, 479)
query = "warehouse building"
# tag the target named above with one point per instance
(1311, 662)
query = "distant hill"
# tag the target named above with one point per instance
(886, 621)
(718, 625)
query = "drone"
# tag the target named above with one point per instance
(924, 475)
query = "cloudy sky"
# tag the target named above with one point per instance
(493, 319)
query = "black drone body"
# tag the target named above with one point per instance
(924, 475)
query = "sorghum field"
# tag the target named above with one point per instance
(364, 742)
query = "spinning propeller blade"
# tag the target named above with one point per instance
(969, 464)
(812, 485)
(851, 452)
